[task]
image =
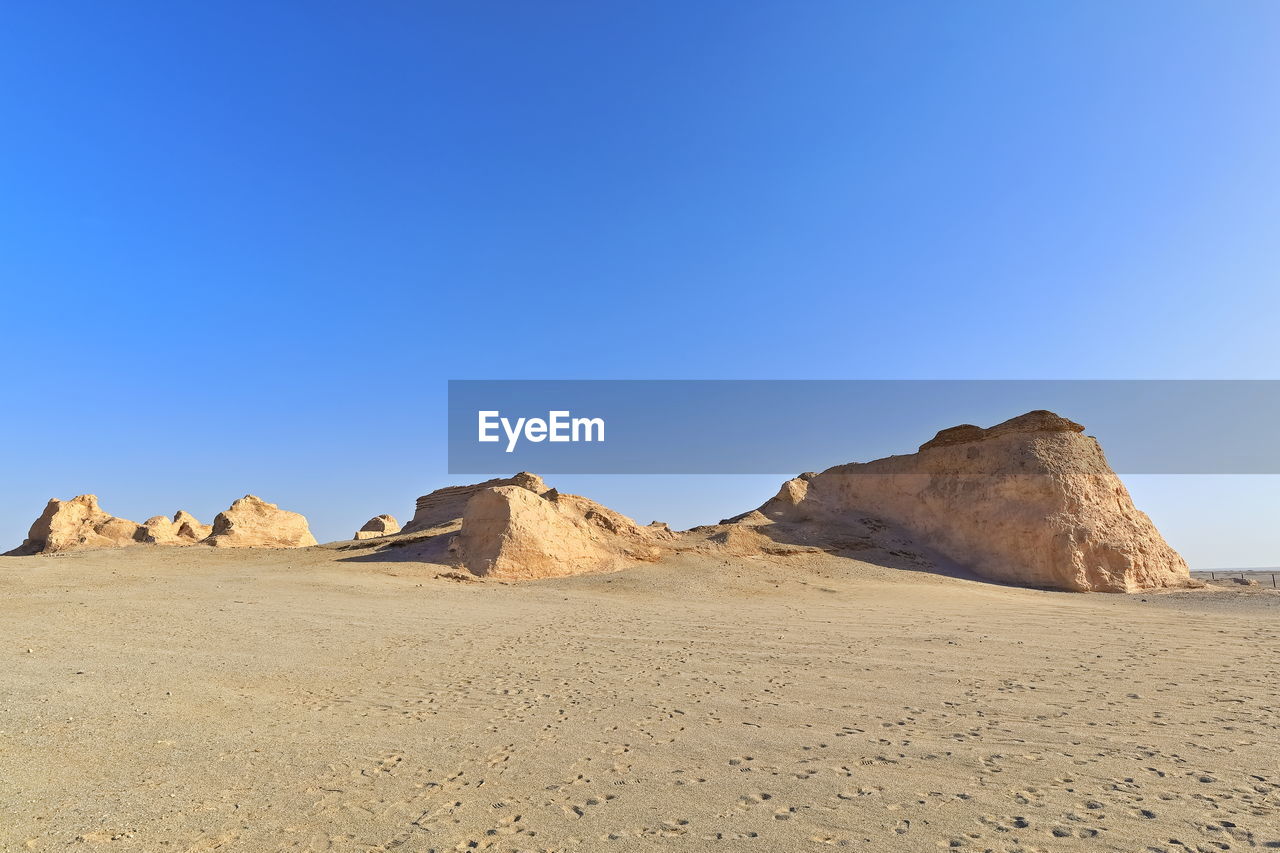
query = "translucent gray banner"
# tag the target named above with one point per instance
(787, 426)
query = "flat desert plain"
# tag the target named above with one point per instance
(192, 699)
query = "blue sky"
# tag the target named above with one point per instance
(244, 245)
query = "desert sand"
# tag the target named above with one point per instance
(335, 698)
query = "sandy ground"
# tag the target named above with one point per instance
(188, 699)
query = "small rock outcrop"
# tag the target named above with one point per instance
(251, 522)
(446, 506)
(77, 524)
(513, 532)
(189, 527)
(1031, 501)
(182, 529)
(379, 525)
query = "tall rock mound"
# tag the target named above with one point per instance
(253, 523)
(379, 525)
(1030, 501)
(445, 506)
(513, 532)
(75, 525)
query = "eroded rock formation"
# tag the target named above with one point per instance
(76, 524)
(1031, 501)
(182, 529)
(81, 523)
(379, 525)
(251, 522)
(446, 506)
(513, 532)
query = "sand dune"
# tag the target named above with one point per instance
(316, 699)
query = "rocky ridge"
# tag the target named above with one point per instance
(1031, 501)
(80, 524)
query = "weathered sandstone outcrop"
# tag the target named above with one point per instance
(81, 523)
(189, 526)
(76, 524)
(446, 506)
(380, 525)
(1029, 501)
(514, 532)
(182, 529)
(253, 523)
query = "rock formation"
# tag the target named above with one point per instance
(1029, 501)
(80, 523)
(76, 524)
(381, 525)
(518, 528)
(514, 532)
(253, 523)
(182, 529)
(189, 527)
(446, 506)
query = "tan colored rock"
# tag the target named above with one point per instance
(80, 523)
(445, 507)
(1028, 501)
(513, 532)
(182, 529)
(77, 524)
(253, 523)
(380, 525)
(1037, 421)
(795, 490)
(602, 517)
(189, 527)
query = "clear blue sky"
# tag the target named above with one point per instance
(243, 245)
